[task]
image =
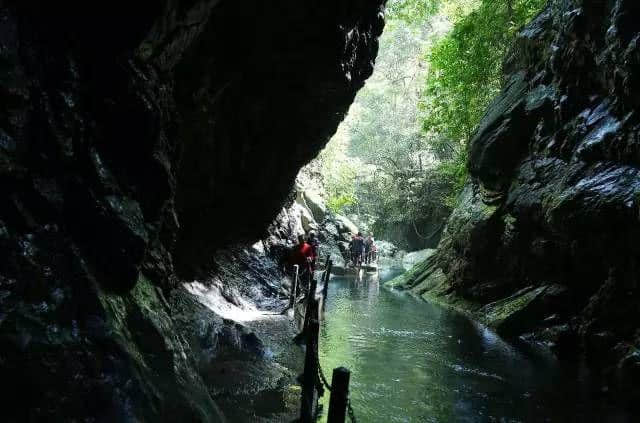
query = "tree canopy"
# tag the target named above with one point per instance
(465, 72)
(398, 160)
(411, 11)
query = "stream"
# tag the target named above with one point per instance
(413, 361)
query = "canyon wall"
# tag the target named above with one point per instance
(136, 140)
(544, 242)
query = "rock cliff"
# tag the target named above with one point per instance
(136, 140)
(544, 243)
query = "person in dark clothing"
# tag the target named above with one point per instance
(369, 246)
(315, 248)
(358, 249)
(351, 250)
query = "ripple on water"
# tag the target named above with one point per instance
(414, 362)
(392, 332)
(360, 341)
(461, 369)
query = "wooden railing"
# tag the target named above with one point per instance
(313, 379)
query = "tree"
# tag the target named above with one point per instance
(465, 72)
(465, 75)
(399, 158)
(411, 11)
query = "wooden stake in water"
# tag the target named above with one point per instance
(339, 395)
(309, 394)
(325, 287)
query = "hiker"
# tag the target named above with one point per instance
(368, 248)
(302, 255)
(358, 249)
(351, 251)
(315, 248)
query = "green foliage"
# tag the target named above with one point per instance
(411, 11)
(454, 174)
(399, 159)
(465, 74)
(337, 203)
(340, 174)
(465, 66)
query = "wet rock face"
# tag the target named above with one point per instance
(290, 74)
(138, 135)
(173, 123)
(554, 192)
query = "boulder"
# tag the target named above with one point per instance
(331, 229)
(316, 205)
(307, 220)
(411, 259)
(386, 248)
(522, 311)
(345, 226)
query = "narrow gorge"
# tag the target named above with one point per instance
(155, 174)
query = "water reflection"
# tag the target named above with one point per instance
(416, 362)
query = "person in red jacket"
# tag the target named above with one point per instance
(302, 255)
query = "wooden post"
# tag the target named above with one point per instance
(311, 313)
(339, 395)
(313, 285)
(325, 287)
(311, 310)
(309, 393)
(327, 269)
(312, 303)
(294, 287)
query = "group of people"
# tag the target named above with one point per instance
(363, 250)
(305, 253)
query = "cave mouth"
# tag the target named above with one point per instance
(140, 141)
(381, 167)
(256, 106)
(137, 140)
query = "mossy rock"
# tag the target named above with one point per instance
(521, 311)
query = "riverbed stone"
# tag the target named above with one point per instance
(316, 205)
(411, 259)
(521, 311)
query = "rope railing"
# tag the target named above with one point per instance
(314, 381)
(338, 374)
(352, 415)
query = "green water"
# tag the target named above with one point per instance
(411, 361)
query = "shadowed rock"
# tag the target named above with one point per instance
(135, 136)
(554, 192)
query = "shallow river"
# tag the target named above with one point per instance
(412, 361)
